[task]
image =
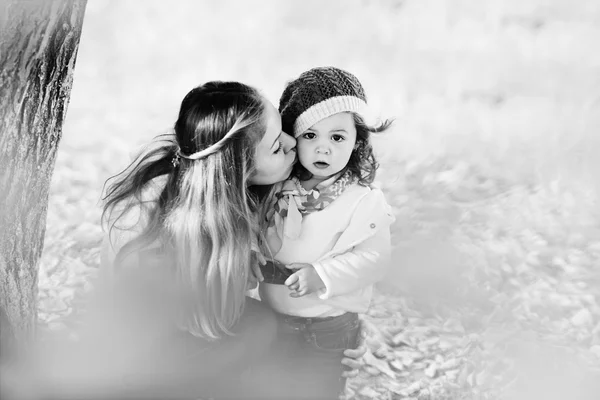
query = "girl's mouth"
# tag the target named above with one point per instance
(321, 164)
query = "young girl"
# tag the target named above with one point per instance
(327, 225)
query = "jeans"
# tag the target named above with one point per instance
(306, 363)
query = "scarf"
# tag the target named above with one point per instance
(292, 202)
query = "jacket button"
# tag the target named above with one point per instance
(373, 226)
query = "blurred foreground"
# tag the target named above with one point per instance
(490, 168)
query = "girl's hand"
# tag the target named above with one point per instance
(304, 281)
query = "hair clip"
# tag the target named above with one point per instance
(176, 159)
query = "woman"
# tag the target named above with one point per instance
(172, 320)
(184, 245)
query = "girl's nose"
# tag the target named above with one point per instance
(322, 149)
(289, 142)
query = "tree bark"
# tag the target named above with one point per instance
(38, 47)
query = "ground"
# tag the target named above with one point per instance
(494, 290)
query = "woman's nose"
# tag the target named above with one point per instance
(289, 142)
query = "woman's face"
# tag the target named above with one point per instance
(275, 154)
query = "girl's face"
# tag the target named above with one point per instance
(276, 152)
(325, 148)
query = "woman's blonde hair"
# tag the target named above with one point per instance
(204, 216)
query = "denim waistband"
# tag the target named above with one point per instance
(292, 319)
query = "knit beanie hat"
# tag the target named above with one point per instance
(317, 94)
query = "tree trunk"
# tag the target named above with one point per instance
(38, 48)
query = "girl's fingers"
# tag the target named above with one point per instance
(291, 280)
(296, 291)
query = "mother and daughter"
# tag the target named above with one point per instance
(231, 199)
(212, 202)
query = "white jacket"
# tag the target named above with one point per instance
(348, 243)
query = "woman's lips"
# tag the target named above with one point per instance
(321, 164)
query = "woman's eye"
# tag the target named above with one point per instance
(308, 135)
(338, 138)
(279, 147)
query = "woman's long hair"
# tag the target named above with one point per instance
(203, 217)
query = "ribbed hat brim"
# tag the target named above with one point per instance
(327, 108)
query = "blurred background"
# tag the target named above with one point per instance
(513, 79)
(490, 166)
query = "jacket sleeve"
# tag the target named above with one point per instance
(367, 261)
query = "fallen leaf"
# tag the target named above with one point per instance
(453, 375)
(397, 365)
(383, 352)
(393, 386)
(370, 393)
(452, 363)
(372, 370)
(413, 388)
(401, 339)
(445, 344)
(431, 370)
(582, 317)
(381, 365)
(483, 378)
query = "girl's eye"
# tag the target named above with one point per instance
(279, 147)
(338, 138)
(309, 135)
